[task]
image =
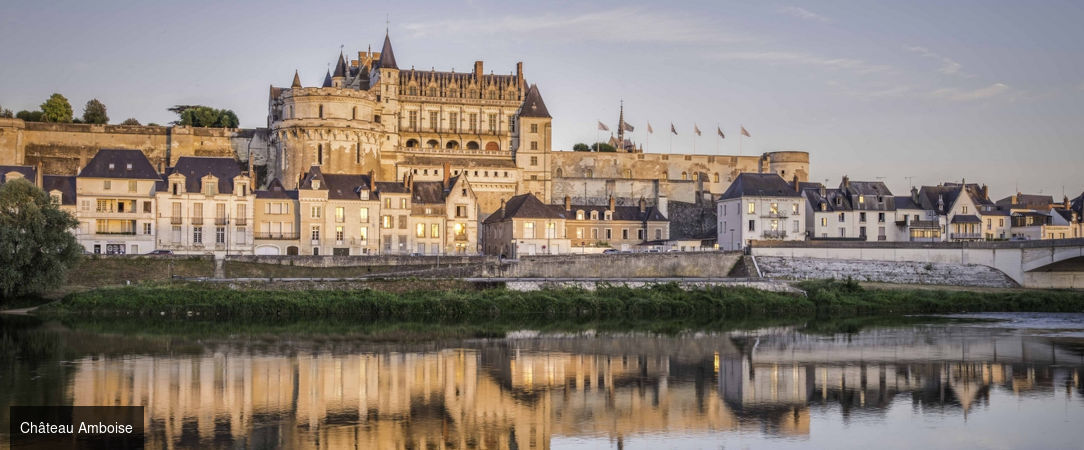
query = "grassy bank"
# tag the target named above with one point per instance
(824, 299)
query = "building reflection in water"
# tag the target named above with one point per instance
(520, 393)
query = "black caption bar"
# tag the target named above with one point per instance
(49, 427)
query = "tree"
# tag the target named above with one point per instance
(57, 109)
(205, 116)
(131, 121)
(581, 147)
(94, 112)
(603, 147)
(29, 116)
(5, 113)
(37, 247)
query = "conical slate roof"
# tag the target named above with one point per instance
(297, 81)
(387, 57)
(327, 79)
(340, 67)
(533, 106)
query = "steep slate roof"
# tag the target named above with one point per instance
(525, 206)
(194, 168)
(327, 79)
(432, 192)
(345, 186)
(833, 199)
(391, 187)
(297, 80)
(63, 183)
(1077, 204)
(759, 185)
(276, 190)
(533, 106)
(905, 202)
(387, 57)
(628, 213)
(1028, 201)
(949, 192)
(966, 218)
(28, 172)
(99, 166)
(870, 191)
(340, 67)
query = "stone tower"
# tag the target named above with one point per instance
(532, 145)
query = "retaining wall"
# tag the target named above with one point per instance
(900, 272)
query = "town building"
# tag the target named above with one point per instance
(856, 210)
(525, 226)
(338, 214)
(205, 206)
(759, 206)
(116, 203)
(276, 221)
(595, 228)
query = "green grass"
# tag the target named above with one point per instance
(826, 299)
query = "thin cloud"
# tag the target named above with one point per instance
(853, 65)
(619, 25)
(963, 95)
(802, 13)
(949, 66)
(872, 92)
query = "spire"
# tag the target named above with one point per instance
(621, 124)
(533, 106)
(327, 79)
(297, 80)
(340, 67)
(387, 57)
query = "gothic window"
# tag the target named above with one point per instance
(432, 92)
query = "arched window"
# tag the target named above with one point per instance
(413, 90)
(471, 145)
(452, 145)
(579, 214)
(594, 215)
(321, 111)
(432, 143)
(684, 176)
(716, 177)
(412, 143)
(560, 173)
(492, 146)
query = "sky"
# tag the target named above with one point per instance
(911, 93)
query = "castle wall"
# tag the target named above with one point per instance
(63, 148)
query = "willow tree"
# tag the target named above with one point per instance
(37, 247)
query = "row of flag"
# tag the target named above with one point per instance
(696, 129)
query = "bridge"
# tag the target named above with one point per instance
(1049, 263)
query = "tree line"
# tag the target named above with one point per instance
(596, 147)
(58, 109)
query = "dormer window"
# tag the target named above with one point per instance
(609, 215)
(128, 166)
(594, 215)
(316, 184)
(862, 199)
(112, 166)
(364, 195)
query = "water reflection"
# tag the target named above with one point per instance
(546, 391)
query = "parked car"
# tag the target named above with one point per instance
(162, 252)
(610, 251)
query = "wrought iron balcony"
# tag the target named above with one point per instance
(774, 234)
(963, 236)
(197, 221)
(220, 220)
(176, 220)
(775, 214)
(277, 236)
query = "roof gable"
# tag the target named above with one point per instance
(759, 185)
(119, 163)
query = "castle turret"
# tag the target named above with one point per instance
(531, 144)
(339, 78)
(297, 81)
(327, 80)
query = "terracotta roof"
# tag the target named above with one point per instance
(759, 185)
(63, 183)
(276, 190)
(119, 163)
(387, 57)
(533, 106)
(194, 168)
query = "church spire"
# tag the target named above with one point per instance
(387, 57)
(297, 80)
(621, 124)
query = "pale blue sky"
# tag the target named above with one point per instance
(987, 91)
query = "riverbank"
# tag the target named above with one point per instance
(665, 301)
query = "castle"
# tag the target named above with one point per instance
(372, 116)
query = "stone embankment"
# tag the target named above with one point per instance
(899, 272)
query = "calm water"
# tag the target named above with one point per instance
(1009, 381)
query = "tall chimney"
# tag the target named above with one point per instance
(447, 175)
(797, 187)
(478, 69)
(519, 73)
(372, 182)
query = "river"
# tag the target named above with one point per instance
(983, 381)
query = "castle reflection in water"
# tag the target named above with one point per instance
(522, 393)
